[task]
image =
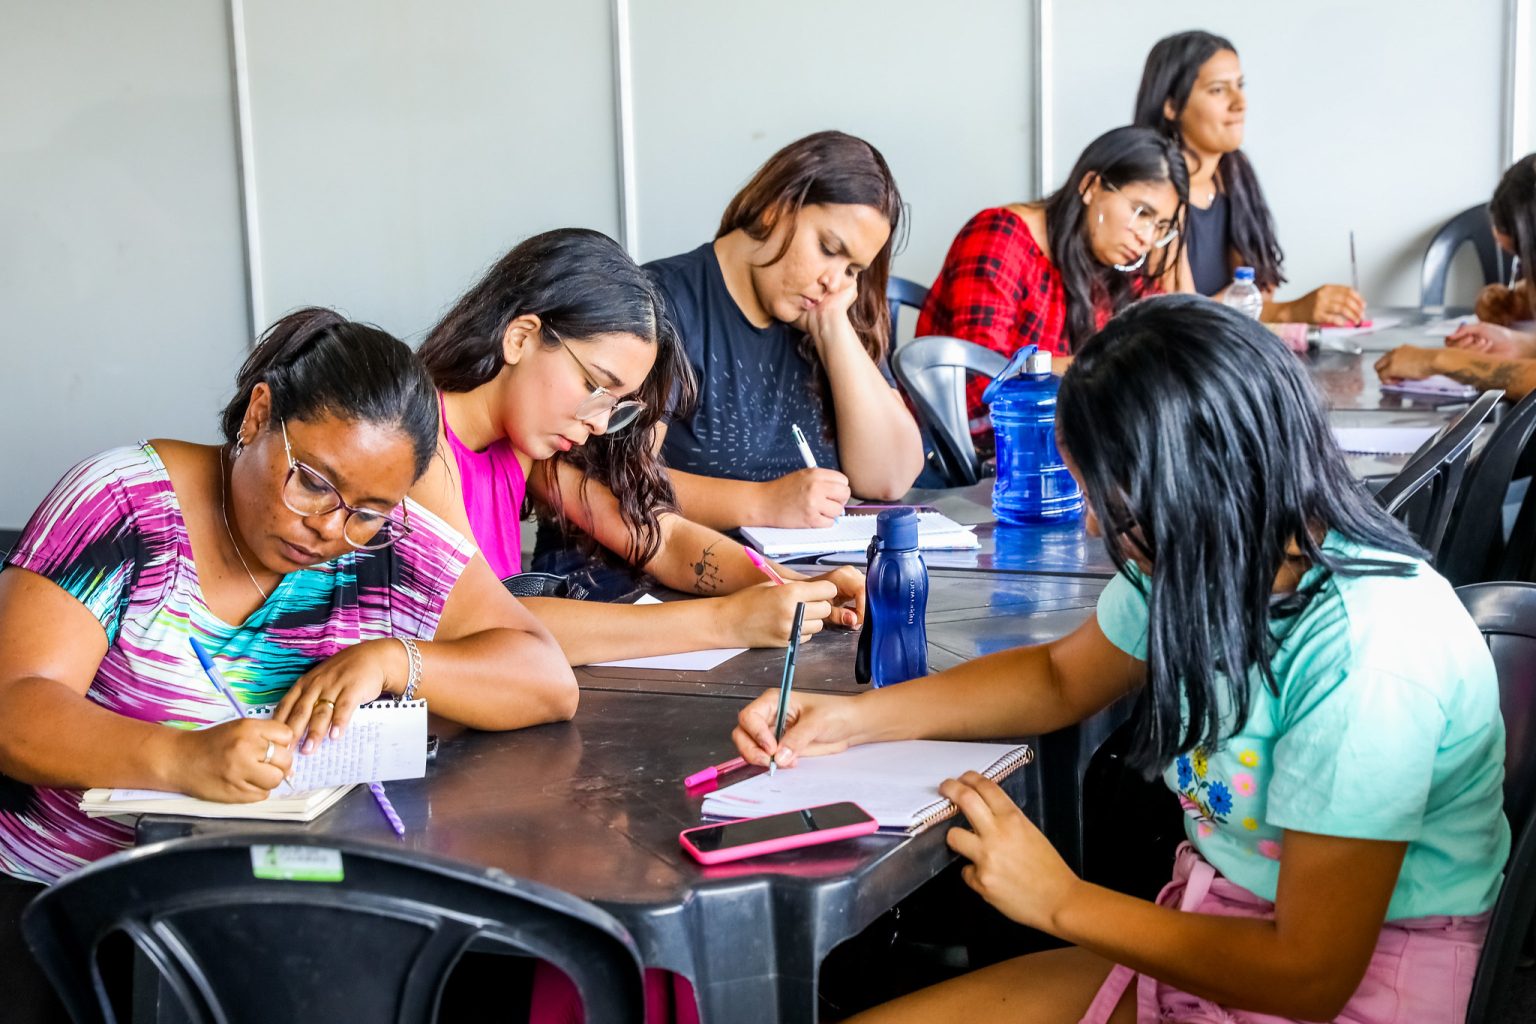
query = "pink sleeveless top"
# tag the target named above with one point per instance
(493, 485)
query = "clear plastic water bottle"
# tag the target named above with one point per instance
(1033, 483)
(894, 644)
(1243, 295)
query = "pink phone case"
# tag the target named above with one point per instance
(858, 828)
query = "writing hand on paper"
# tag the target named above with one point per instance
(1332, 305)
(1491, 340)
(322, 700)
(814, 724)
(761, 616)
(1013, 866)
(1406, 362)
(806, 498)
(225, 762)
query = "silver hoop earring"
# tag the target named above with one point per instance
(239, 447)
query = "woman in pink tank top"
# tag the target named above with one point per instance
(554, 368)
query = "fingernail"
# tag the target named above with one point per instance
(309, 746)
(784, 754)
(335, 732)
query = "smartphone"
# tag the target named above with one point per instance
(751, 837)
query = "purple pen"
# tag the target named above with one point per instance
(388, 809)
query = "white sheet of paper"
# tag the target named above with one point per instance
(1382, 440)
(144, 794)
(1380, 323)
(1441, 328)
(1439, 384)
(688, 661)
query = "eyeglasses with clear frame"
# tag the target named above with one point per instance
(1144, 217)
(307, 492)
(621, 412)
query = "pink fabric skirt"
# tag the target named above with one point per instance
(1421, 971)
(669, 998)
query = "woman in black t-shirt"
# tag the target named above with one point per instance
(784, 319)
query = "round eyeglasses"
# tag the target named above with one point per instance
(602, 403)
(307, 492)
(1144, 221)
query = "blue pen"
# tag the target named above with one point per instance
(212, 672)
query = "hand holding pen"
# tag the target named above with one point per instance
(786, 684)
(238, 760)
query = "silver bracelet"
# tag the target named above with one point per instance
(413, 676)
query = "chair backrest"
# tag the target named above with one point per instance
(900, 291)
(1473, 550)
(1424, 493)
(372, 936)
(932, 371)
(1506, 613)
(1470, 225)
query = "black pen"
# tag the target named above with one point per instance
(788, 682)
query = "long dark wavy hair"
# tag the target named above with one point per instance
(1169, 77)
(580, 284)
(1513, 212)
(1205, 449)
(316, 361)
(1119, 157)
(823, 169)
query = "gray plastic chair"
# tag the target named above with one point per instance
(1470, 225)
(1425, 492)
(933, 371)
(900, 291)
(1474, 549)
(375, 944)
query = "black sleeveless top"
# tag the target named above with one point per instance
(1208, 244)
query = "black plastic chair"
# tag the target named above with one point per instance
(933, 371)
(1424, 493)
(376, 944)
(900, 291)
(1474, 549)
(1506, 613)
(1471, 225)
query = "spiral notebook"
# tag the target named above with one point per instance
(852, 532)
(897, 783)
(384, 741)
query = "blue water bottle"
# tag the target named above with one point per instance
(1033, 484)
(894, 645)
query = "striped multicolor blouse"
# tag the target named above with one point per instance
(112, 535)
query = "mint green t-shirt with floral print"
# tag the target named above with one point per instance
(1386, 726)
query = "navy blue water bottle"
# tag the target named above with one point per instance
(894, 645)
(1033, 483)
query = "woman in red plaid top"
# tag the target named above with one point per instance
(1052, 273)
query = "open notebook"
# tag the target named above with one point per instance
(897, 783)
(852, 532)
(383, 741)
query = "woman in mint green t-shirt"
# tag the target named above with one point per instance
(1343, 794)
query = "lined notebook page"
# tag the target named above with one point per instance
(384, 741)
(853, 533)
(897, 783)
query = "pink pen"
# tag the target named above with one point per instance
(714, 771)
(763, 566)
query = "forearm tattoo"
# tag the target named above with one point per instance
(1487, 374)
(706, 571)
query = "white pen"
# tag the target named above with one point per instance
(805, 449)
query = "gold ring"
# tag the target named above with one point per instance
(324, 700)
(271, 749)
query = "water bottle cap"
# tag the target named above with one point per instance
(1038, 363)
(896, 529)
(1243, 274)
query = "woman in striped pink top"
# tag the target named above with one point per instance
(292, 554)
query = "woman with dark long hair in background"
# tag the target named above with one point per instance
(1192, 91)
(1312, 691)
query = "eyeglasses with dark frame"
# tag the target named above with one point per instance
(307, 492)
(620, 412)
(1143, 216)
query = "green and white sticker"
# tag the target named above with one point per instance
(296, 863)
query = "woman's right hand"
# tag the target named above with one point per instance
(1332, 305)
(1491, 340)
(814, 724)
(761, 615)
(805, 498)
(227, 762)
